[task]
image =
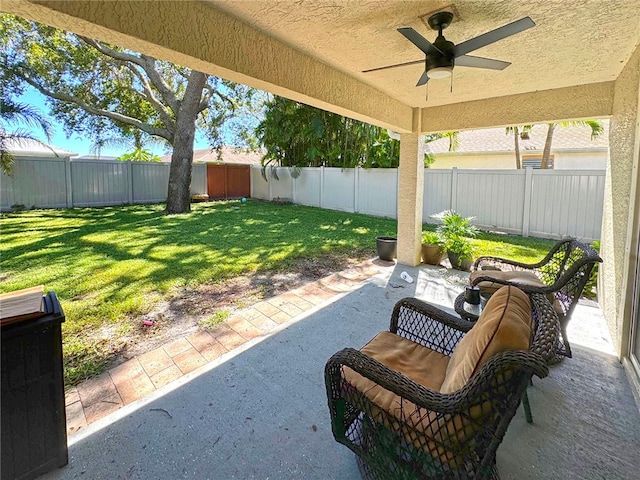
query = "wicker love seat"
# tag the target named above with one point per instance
(433, 397)
(561, 275)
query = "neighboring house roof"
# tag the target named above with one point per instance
(234, 155)
(95, 157)
(33, 148)
(496, 140)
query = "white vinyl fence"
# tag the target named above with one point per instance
(59, 183)
(539, 203)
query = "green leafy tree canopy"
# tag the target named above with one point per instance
(105, 91)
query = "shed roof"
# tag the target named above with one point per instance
(35, 148)
(235, 155)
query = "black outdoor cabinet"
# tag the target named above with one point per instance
(34, 437)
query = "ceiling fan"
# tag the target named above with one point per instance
(442, 55)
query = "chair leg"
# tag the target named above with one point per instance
(527, 408)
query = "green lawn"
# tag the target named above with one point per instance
(109, 265)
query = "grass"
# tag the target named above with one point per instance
(219, 316)
(110, 265)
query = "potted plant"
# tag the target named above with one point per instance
(456, 230)
(432, 248)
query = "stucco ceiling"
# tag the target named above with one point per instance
(573, 43)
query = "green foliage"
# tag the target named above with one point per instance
(110, 265)
(590, 289)
(455, 230)
(104, 91)
(139, 155)
(219, 316)
(460, 245)
(297, 135)
(432, 238)
(12, 116)
(454, 224)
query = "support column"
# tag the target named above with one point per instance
(410, 193)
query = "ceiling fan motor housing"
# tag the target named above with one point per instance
(436, 60)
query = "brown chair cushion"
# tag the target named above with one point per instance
(528, 279)
(505, 324)
(421, 364)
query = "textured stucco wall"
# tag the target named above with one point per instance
(197, 35)
(581, 161)
(622, 170)
(410, 194)
(571, 103)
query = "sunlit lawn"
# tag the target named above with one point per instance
(108, 265)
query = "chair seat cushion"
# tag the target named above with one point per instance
(528, 279)
(505, 324)
(421, 364)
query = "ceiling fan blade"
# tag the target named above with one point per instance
(419, 41)
(423, 79)
(479, 62)
(415, 62)
(492, 36)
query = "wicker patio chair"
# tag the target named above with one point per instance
(401, 426)
(562, 275)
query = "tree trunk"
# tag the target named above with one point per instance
(546, 153)
(179, 191)
(516, 139)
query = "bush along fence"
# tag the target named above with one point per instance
(539, 203)
(65, 183)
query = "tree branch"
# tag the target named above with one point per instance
(63, 97)
(147, 63)
(165, 90)
(148, 94)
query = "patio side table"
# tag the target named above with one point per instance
(466, 310)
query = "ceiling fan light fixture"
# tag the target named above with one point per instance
(440, 72)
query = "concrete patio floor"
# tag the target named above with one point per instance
(259, 411)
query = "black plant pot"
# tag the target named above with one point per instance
(387, 247)
(458, 263)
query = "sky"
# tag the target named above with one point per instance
(82, 144)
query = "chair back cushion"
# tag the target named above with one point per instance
(505, 324)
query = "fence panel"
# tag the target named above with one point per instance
(307, 187)
(282, 188)
(36, 182)
(150, 182)
(494, 197)
(567, 203)
(99, 183)
(377, 192)
(259, 186)
(198, 179)
(338, 189)
(437, 193)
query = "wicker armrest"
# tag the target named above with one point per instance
(525, 288)
(503, 264)
(427, 325)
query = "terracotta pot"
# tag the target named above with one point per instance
(432, 254)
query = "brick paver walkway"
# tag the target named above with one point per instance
(140, 376)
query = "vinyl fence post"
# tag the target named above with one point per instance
(526, 213)
(356, 190)
(293, 189)
(269, 182)
(322, 186)
(454, 188)
(130, 182)
(68, 180)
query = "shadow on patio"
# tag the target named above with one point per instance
(261, 411)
